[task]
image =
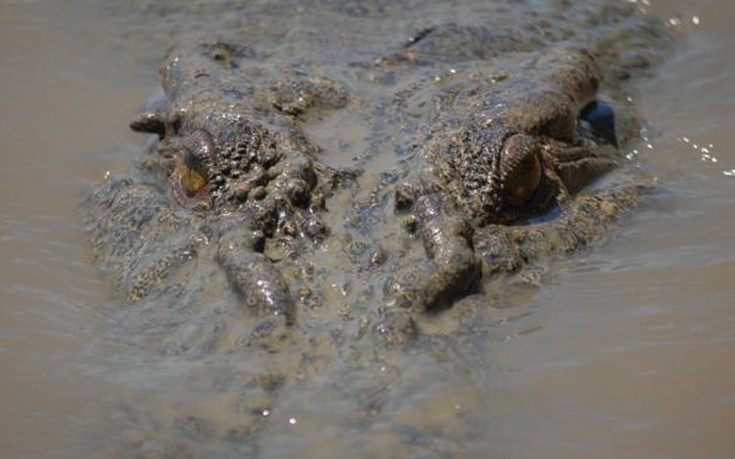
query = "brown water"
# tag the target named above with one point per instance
(626, 352)
(64, 100)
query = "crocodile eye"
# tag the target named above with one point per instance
(195, 152)
(521, 169)
(191, 173)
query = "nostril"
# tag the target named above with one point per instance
(601, 118)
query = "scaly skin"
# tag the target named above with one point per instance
(316, 188)
(502, 164)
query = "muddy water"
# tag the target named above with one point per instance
(626, 352)
(64, 98)
(633, 349)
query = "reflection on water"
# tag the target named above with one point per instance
(629, 352)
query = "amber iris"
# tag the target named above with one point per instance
(191, 173)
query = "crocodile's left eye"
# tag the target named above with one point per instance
(521, 169)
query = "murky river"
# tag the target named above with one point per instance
(628, 351)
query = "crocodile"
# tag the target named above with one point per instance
(303, 205)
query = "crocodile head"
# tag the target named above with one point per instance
(223, 147)
(528, 142)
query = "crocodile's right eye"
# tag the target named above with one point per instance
(192, 175)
